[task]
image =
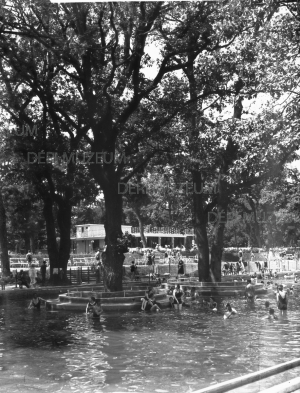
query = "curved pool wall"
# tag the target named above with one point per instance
(45, 291)
(121, 301)
(216, 289)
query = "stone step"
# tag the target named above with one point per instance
(83, 300)
(207, 284)
(134, 306)
(232, 292)
(88, 294)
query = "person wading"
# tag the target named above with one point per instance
(282, 298)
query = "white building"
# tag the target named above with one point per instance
(90, 237)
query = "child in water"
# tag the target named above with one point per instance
(230, 311)
(267, 304)
(212, 304)
(271, 315)
(93, 307)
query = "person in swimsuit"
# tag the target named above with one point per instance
(22, 280)
(267, 304)
(282, 298)
(212, 304)
(230, 311)
(180, 267)
(132, 270)
(36, 302)
(90, 306)
(271, 315)
(148, 295)
(250, 292)
(97, 309)
(171, 301)
(152, 305)
(177, 295)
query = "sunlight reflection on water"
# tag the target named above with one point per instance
(135, 352)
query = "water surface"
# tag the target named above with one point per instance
(172, 351)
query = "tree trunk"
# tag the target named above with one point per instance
(27, 242)
(200, 222)
(200, 216)
(64, 216)
(32, 244)
(51, 234)
(3, 239)
(113, 257)
(223, 200)
(215, 271)
(141, 226)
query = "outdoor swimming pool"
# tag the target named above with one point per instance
(170, 351)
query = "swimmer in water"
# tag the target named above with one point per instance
(97, 309)
(171, 301)
(250, 292)
(177, 295)
(271, 315)
(267, 304)
(36, 302)
(93, 307)
(212, 304)
(230, 311)
(91, 304)
(282, 298)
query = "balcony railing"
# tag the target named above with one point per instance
(164, 230)
(89, 233)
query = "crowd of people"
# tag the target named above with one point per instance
(179, 296)
(135, 273)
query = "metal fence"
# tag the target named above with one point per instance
(284, 264)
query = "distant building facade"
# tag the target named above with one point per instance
(89, 237)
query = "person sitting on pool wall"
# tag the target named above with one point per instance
(148, 295)
(152, 305)
(282, 298)
(36, 302)
(230, 311)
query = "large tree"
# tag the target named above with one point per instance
(96, 56)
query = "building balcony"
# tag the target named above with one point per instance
(161, 231)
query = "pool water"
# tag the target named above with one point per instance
(172, 351)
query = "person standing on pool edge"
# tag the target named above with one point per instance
(180, 267)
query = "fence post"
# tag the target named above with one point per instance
(71, 275)
(88, 274)
(16, 279)
(81, 274)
